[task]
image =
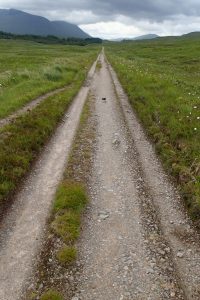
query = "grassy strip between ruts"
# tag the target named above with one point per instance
(59, 252)
(167, 102)
(21, 141)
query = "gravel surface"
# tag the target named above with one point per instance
(23, 228)
(137, 241)
(175, 224)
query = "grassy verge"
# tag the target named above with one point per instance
(161, 79)
(30, 69)
(21, 141)
(57, 263)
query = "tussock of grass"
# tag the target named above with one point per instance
(99, 65)
(51, 295)
(70, 196)
(161, 79)
(66, 255)
(70, 200)
(66, 225)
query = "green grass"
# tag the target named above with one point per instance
(98, 66)
(20, 142)
(162, 80)
(70, 196)
(66, 255)
(51, 295)
(30, 69)
(71, 199)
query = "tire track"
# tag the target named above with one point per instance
(123, 253)
(23, 228)
(165, 202)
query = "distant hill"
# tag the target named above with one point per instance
(141, 37)
(21, 23)
(146, 37)
(195, 34)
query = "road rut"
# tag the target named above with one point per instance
(23, 228)
(137, 241)
(131, 246)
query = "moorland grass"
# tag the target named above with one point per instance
(21, 141)
(30, 69)
(161, 79)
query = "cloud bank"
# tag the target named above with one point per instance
(117, 18)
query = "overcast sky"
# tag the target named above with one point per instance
(118, 18)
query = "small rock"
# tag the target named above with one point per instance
(103, 215)
(180, 254)
(116, 142)
(150, 271)
(173, 294)
(167, 250)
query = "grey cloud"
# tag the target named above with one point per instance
(104, 10)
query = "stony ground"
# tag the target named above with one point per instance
(137, 241)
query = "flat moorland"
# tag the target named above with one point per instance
(48, 67)
(29, 69)
(162, 80)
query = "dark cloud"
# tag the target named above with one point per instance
(104, 10)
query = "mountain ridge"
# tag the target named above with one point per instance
(19, 22)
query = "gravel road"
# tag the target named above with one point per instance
(22, 229)
(137, 242)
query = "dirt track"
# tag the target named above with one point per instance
(137, 241)
(23, 228)
(31, 105)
